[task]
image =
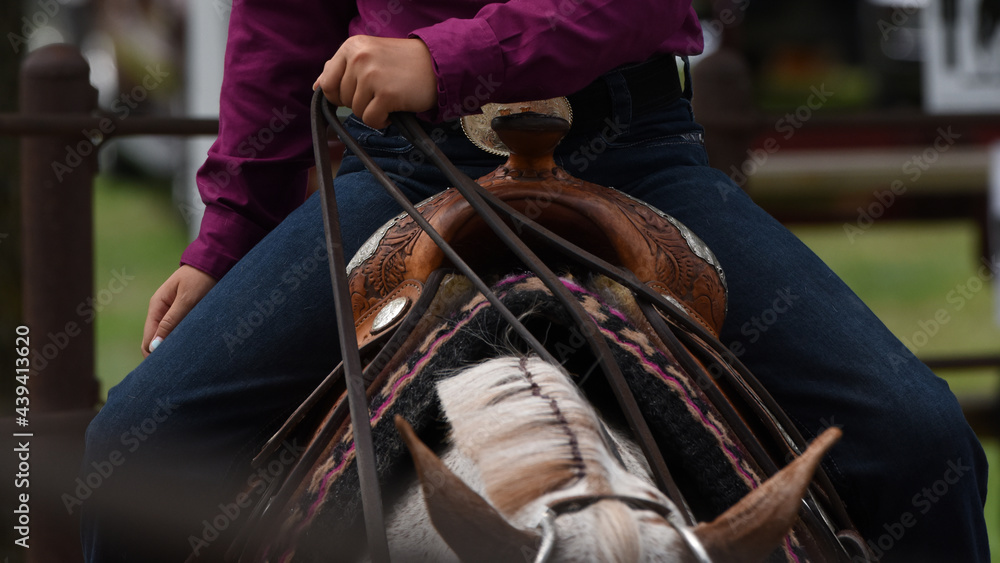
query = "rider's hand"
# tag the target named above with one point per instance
(172, 302)
(375, 76)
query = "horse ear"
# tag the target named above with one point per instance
(471, 527)
(752, 528)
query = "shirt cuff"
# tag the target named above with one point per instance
(467, 60)
(224, 238)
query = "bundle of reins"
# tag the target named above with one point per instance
(682, 336)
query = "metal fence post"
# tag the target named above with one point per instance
(56, 201)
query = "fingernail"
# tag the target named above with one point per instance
(155, 343)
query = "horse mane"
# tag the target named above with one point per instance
(536, 439)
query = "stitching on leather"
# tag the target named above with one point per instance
(662, 288)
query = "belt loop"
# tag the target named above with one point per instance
(621, 101)
(687, 87)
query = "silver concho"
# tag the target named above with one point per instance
(392, 311)
(477, 126)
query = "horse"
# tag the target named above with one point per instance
(613, 511)
(528, 457)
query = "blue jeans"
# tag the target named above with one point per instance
(176, 436)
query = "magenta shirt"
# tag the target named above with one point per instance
(255, 174)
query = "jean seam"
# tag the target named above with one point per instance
(369, 132)
(656, 142)
(841, 483)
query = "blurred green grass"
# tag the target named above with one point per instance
(904, 272)
(907, 273)
(139, 232)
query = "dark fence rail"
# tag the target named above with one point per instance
(81, 125)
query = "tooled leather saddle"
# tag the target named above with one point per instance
(391, 269)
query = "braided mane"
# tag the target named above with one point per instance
(536, 440)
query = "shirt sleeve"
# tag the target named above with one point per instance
(536, 49)
(256, 171)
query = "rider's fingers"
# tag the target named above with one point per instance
(159, 305)
(369, 104)
(332, 79)
(375, 113)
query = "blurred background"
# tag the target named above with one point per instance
(867, 126)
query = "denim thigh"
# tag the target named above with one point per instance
(817, 348)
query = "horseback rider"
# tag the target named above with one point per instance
(244, 329)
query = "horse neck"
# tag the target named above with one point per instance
(536, 439)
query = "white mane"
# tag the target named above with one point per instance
(524, 438)
(536, 440)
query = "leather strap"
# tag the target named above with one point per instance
(472, 192)
(378, 545)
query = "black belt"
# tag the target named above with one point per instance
(652, 85)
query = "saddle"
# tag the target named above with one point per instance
(392, 267)
(680, 287)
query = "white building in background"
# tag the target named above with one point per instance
(961, 56)
(206, 27)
